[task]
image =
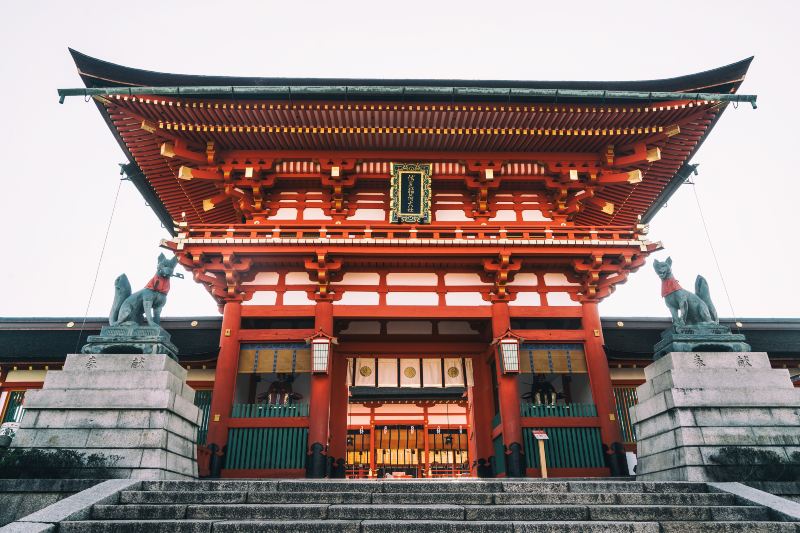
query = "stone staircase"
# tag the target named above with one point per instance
(427, 506)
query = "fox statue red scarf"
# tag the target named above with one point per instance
(158, 284)
(668, 286)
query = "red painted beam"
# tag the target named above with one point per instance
(277, 422)
(251, 335)
(560, 422)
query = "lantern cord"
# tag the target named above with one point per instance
(714, 254)
(99, 262)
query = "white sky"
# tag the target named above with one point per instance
(59, 162)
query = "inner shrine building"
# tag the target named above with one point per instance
(408, 271)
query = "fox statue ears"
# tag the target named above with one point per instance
(163, 259)
(668, 261)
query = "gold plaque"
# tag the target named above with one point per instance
(453, 372)
(410, 372)
(365, 371)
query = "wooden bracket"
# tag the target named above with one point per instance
(502, 270)
(323, 270)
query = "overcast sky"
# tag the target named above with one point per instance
(60, 162)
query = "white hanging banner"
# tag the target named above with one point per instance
(365, 372)
(453, 372)
(432, 372)
(350, 372)
(387, 372)
(468, 366)
(409, 373)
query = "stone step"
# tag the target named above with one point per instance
(309, 497)
(684, 513)
(138, 512)
(729, 527)
(457, 498)
(637, 486)
(177, 496)
(221, 485)
(418, 526)
(289, 511)
(136, 526)
(622, 498)
(445, 512)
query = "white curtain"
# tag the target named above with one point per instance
(365, 372)
(409, 373)
(453, 372)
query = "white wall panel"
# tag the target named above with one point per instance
(461, 279)
(297, 278)
(358, 278)
(557, 280)
(528, 299)
(368, 214)
(358, 298)
(262, 298)
(465, 299)
(296, 298)
(525, 279)
(285, 213)
(263, 278)
(412, 298)
(560, 298)
(315, 213)
(406, 278)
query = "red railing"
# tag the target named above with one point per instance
(423, 232)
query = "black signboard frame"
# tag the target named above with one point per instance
(410, 193)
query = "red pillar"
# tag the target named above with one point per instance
(481, 412)
(225, 375)
(599, 375)
(508, 395)
(320, 402)
(338, 417)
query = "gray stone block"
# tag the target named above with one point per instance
(396, 512)
(136, 526)
(709, 360)
(116, 380)
(527, 512)
(282, 526)
(92, 418)
(587, 527)
(257, 512)
(138, 418)
(98, 399)
(404, 498)
(435, 526)
(115, 362)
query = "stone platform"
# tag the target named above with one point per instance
(418, 506)
(137, 407)
(695, 403)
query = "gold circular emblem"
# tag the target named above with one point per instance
(409, 372)
(453, 372)
(365, 371)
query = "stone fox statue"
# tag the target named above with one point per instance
(142, 307)
(686, 308)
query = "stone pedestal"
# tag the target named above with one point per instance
(695, 403)
(135, 338)
(137, 407)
